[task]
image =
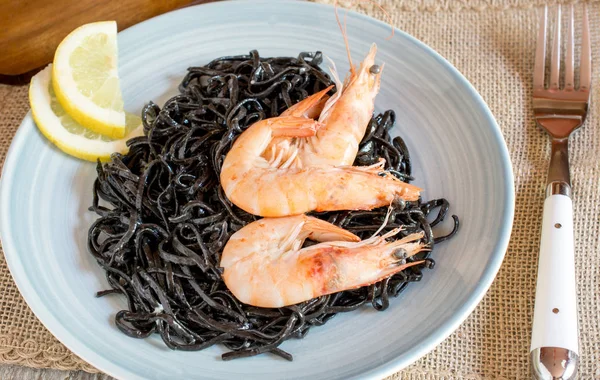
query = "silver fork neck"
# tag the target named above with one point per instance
(558, 188)
(559, 176)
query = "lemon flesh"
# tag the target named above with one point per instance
(85, 78)
(65, 132)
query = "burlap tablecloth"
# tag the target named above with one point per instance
(491, 42)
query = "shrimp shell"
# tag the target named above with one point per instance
(265, 265)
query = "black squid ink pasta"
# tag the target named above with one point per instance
(164, 218)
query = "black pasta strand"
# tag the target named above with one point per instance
(160, 242)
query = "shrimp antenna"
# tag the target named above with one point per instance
(385, 221)
(344, 31)
(387, 14)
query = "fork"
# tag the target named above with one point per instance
(559, 110)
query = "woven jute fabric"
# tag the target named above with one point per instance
(492, 43)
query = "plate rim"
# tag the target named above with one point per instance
(80, 348)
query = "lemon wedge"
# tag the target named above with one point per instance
(66, 133)
(86, 81)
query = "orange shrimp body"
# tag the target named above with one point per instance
(260, 188)
(343, 120)
(265, 265)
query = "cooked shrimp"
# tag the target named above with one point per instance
(343, 120)
(260, 188)
(265, 265)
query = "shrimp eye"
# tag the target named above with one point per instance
(375, 69)
(429, 263)
(399, 204)
(401, 254)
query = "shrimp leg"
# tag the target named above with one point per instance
(309, 108)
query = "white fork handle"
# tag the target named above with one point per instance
(555, 322)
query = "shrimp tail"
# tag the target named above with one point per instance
(315, 229)
(323, 231)
(310, 107)
(293, 126)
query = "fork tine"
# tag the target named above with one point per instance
(585, 65)
(555, 59)
(540, 53)
(569, 72)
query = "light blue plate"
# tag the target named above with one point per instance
(458, 153)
